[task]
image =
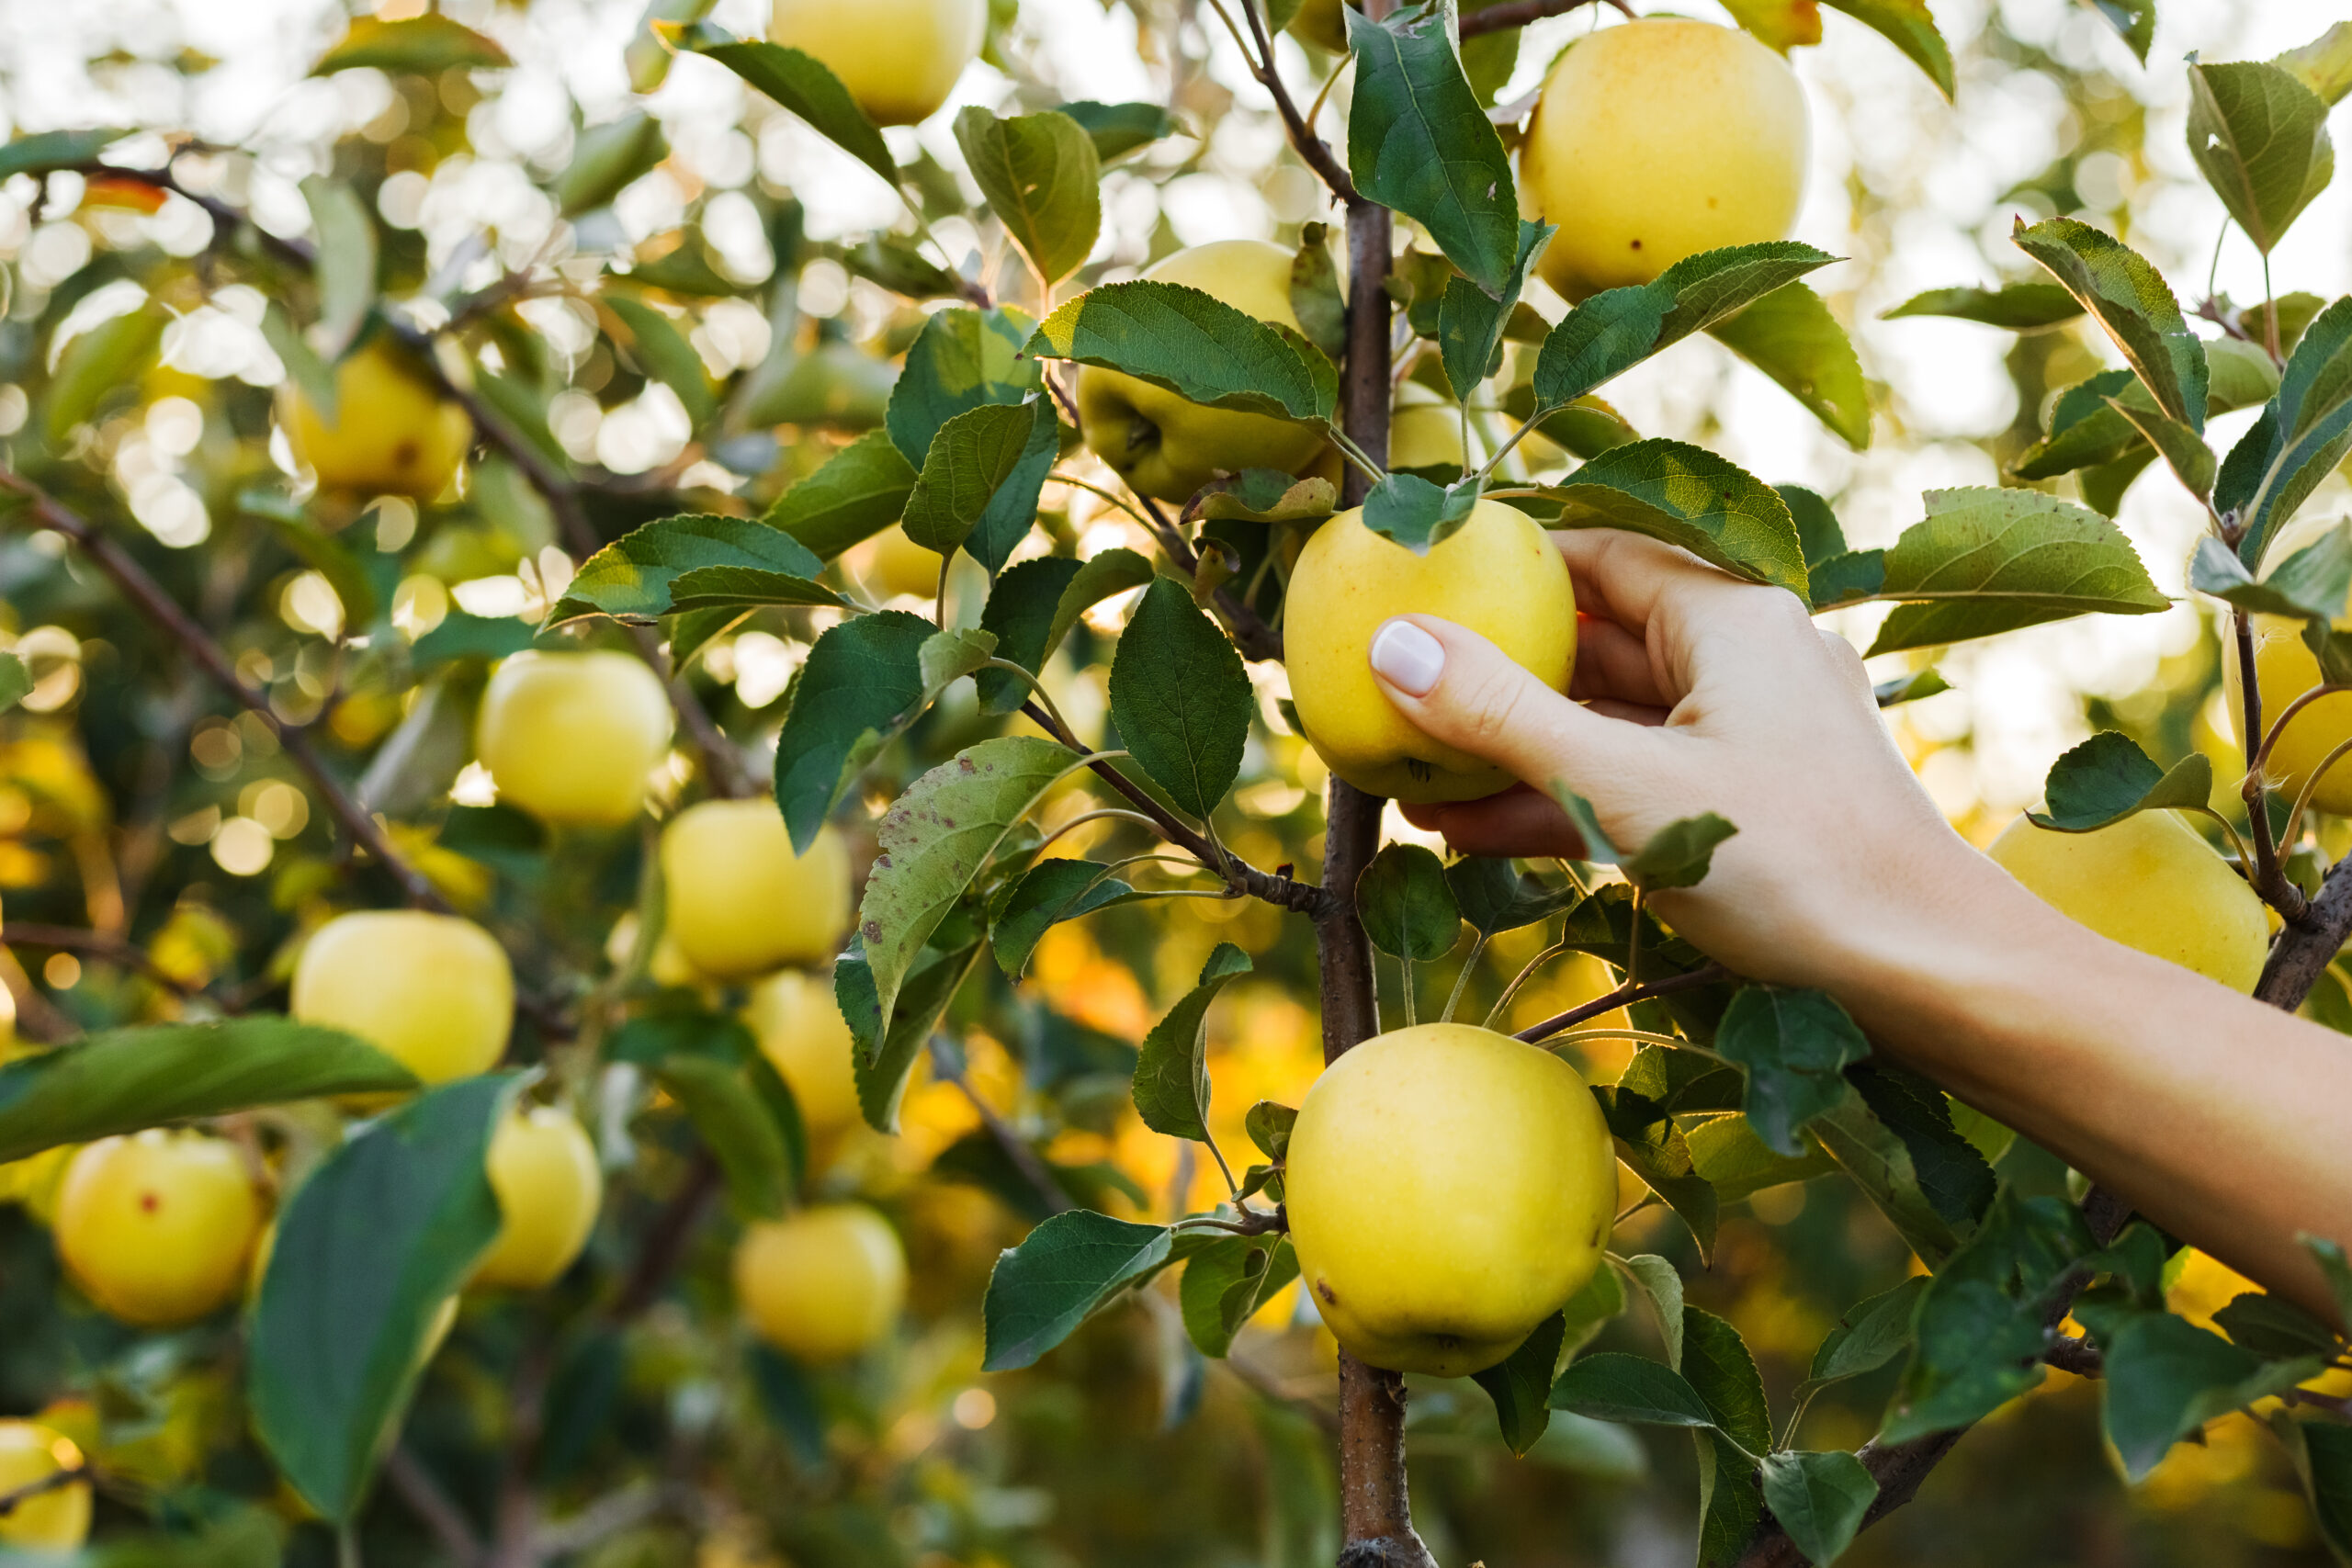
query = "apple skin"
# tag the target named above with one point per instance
(56, 1521)
(821, 1284)
(549, 1187)
(1167, 448)
(1424, 430)
(890, 564)
(1318, 22)
(156, 1227)
(740, 903)
(1448, 1188)
(1499, 575)
(899, 59)
(1656, 141)
(393, 432)
(2284, 668)
(803, 1035)
(571, 737)
(433, 992)
(2150, 883)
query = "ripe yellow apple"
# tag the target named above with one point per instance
(899, 59)
(1448, 1188)
(55, 1521)
(155, 1226)
(2148, 882)
(571, 737)
(821, 1284)
(1424, 430)
(549, 1187)
(2284, 668)
(665, 965)
(1318, 22)
(1659, 139)
(1168, 448)
(433, 992)
(1499, 575)
(393, 432)
(802, 1034)
(740, 903)
(890, 564)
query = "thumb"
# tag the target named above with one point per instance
(1459, 688)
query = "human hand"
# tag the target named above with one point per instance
(1694, 692)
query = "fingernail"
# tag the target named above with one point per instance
(1409, 657)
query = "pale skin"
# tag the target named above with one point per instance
(2217, 1117)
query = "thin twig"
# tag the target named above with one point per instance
(664, 1246)
(1519, 13)
(1624, 996)
(98, 945)
(433, 1507)
(1256, 639)
(1017, 1149)
(2269, 877)
(1312, 149)
(55, 1481)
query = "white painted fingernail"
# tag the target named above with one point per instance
(1410, 659)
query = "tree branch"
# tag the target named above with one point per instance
(433, 1507)
(664, 1246)
(1024, 1158)
(1624, 996)
(2269, 877)
(1256, 640)
(149, 598)
(55, 1481)
(98, 945)
(1519, 13)
(1313, 150)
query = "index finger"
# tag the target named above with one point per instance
(1627, 579)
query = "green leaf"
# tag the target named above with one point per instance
(369, 1250)
(2130, 299)
(425, 46)
(1268, 1126)
(1795, 1046)
(1598, 1302)
(1819, 1499)
(1419, 142)
(2303, 434)
(1678, 855)
(1020, 612)
(1470, 320)
(1661, 1287)
(1872, 1332)
(2273, 1326)
(1817, 528)
(682, 269)
(2321, 1452)
(1910, 688)
(314, 375)
(936, 838)
(345, 268)
(897, 266)
(1686, 496)
(1521, 1383)
(1117, 130)
(2329, 1256)
(1907, 25)
(1653, 1148)
(48, 151)
(2165, 1378)
(1953, 1176)
(1581, 815)
(802, 83)
(1792, 337)
(973, 455)
(2310, 585)
(1493, 897)
(1879, 1161)
(1192, 344)
(1730, 1157)
(1406, 904)
(1613, 1386)
(96, 365)
(1992, 560)
(606, 160)
(15, 681)
(734, 1123)
(2018, 306)
(862, 685)
(1227, 1281)
(1268, 495)
(961, 359)
(1704, 289)
(1847, 578)
(662, 353)
(1181, 699)
(1172, 1082)
(1100, 577)
(2190, 460)
(632, 578)
(861, 491)
(1716, 1362)
(1407, 510)
(2108, 778)
(1056, 1279)
(1048, 893)
(884, 1056)
(2260, 138)
(1041, 178)
(124, 1080)
(1601, 338)
(1315, 296)
(2324, 64)
(2133, 20)
(2085, 428)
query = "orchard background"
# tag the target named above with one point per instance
(655, 291)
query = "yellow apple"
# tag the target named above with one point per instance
(1167, 448)
(1318, 22)
(899, 59)
(56, 1521)
(665, 965)
(1448, 1188)
(890, 564)
(433, 992)
(821, 1284)
(571, 737)
(549, 1187)
(155, 1226)
(1499, 575)
(740, 903)
(2284, 668)
(802, 1034)
(2148, 882)
(393, 432)
(1656, 141)
(1424, 430)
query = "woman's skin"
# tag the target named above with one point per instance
(2224, 1120)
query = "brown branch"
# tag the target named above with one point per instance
(55, 1481)
(2269, 877)
(664, 1246)
(1312, 149)
(1519, 13)
(1624, 996)
(98, 945)
(1025, 1157)
(2080, 1357)
(149, 598)
(607, 1516)
(433, 1507)
(1256, 639)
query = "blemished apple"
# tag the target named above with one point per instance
(155, 1226)
(1499, 575)
(393, 432)
(1448, 1188)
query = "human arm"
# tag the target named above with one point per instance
(2214, 1115)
